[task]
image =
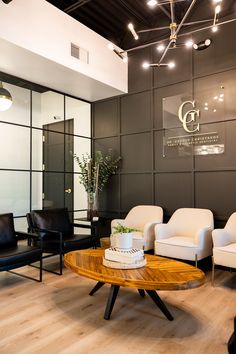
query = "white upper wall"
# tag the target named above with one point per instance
(42, 29)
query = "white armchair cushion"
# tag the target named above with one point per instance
(187, 235)
(224, 244)
(225, 256)
(143, 218)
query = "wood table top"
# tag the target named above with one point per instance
(159, 273)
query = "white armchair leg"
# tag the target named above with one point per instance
(213, 271)
(196, 260)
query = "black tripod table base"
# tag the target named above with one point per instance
(114, 289)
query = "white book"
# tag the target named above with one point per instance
(131, 256)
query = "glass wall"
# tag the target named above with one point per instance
(39, 135)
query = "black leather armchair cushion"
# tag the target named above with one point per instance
(58, 220)
(53, 219)
(7, 231)
(14, 257)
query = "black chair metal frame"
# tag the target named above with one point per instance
(22, 236)
(42, 233)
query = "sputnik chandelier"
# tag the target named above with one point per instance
(172, 42)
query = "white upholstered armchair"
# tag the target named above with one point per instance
(142, 218)
(224, 245)
(187, 235)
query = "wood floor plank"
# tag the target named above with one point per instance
(59, 317)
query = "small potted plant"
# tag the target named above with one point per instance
(122, 237)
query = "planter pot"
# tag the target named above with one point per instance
(92, 210)
(122, 241)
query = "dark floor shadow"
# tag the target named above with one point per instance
(130, 313)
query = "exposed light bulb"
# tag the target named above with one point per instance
(216, 98)
(206, 108)
(160, 47)
(130, 26)
(208, 42)
(195, 46)
(111, 46)
(222, 95)
(132, 30)
(146, 65)
(171, 65)
(217, 9)
(152, 3)
(206, 104)
(214, 28)
(221, 99)
(214, 110)
(189, 43)
(5, 98)
(5, 104)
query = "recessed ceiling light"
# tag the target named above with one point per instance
(217, 9)
(160, 47)
(189, 43)
(152, 3)
(171, 65)
(146, 65)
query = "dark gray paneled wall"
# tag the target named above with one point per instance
(132, 126)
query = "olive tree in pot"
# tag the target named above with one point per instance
(95, 171)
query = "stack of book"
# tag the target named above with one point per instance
(124, 259)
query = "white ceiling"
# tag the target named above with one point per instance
(24, 64)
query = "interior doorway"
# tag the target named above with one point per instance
(58, 165)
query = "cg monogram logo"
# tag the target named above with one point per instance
(189, 116)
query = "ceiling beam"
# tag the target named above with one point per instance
(75, 6)
(166, 12)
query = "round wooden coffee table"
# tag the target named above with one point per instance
(159, 274)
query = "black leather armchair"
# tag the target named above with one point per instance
(57, 232)
(14, 255)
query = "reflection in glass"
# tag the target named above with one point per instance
(53, 151)
(79, 111)
(80, 195)
(20, 224)
(14, 146)
(19, 112)
(53, 190)
(15, 192)
(37, 149)
(37, 191)
(47, 108)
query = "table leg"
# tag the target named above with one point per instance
(141, 292)
(96, 288)
(155, 297)
(111, 301)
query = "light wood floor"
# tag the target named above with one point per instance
(58, 316)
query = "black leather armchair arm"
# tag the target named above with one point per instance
(21, 235)
(82, 226)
